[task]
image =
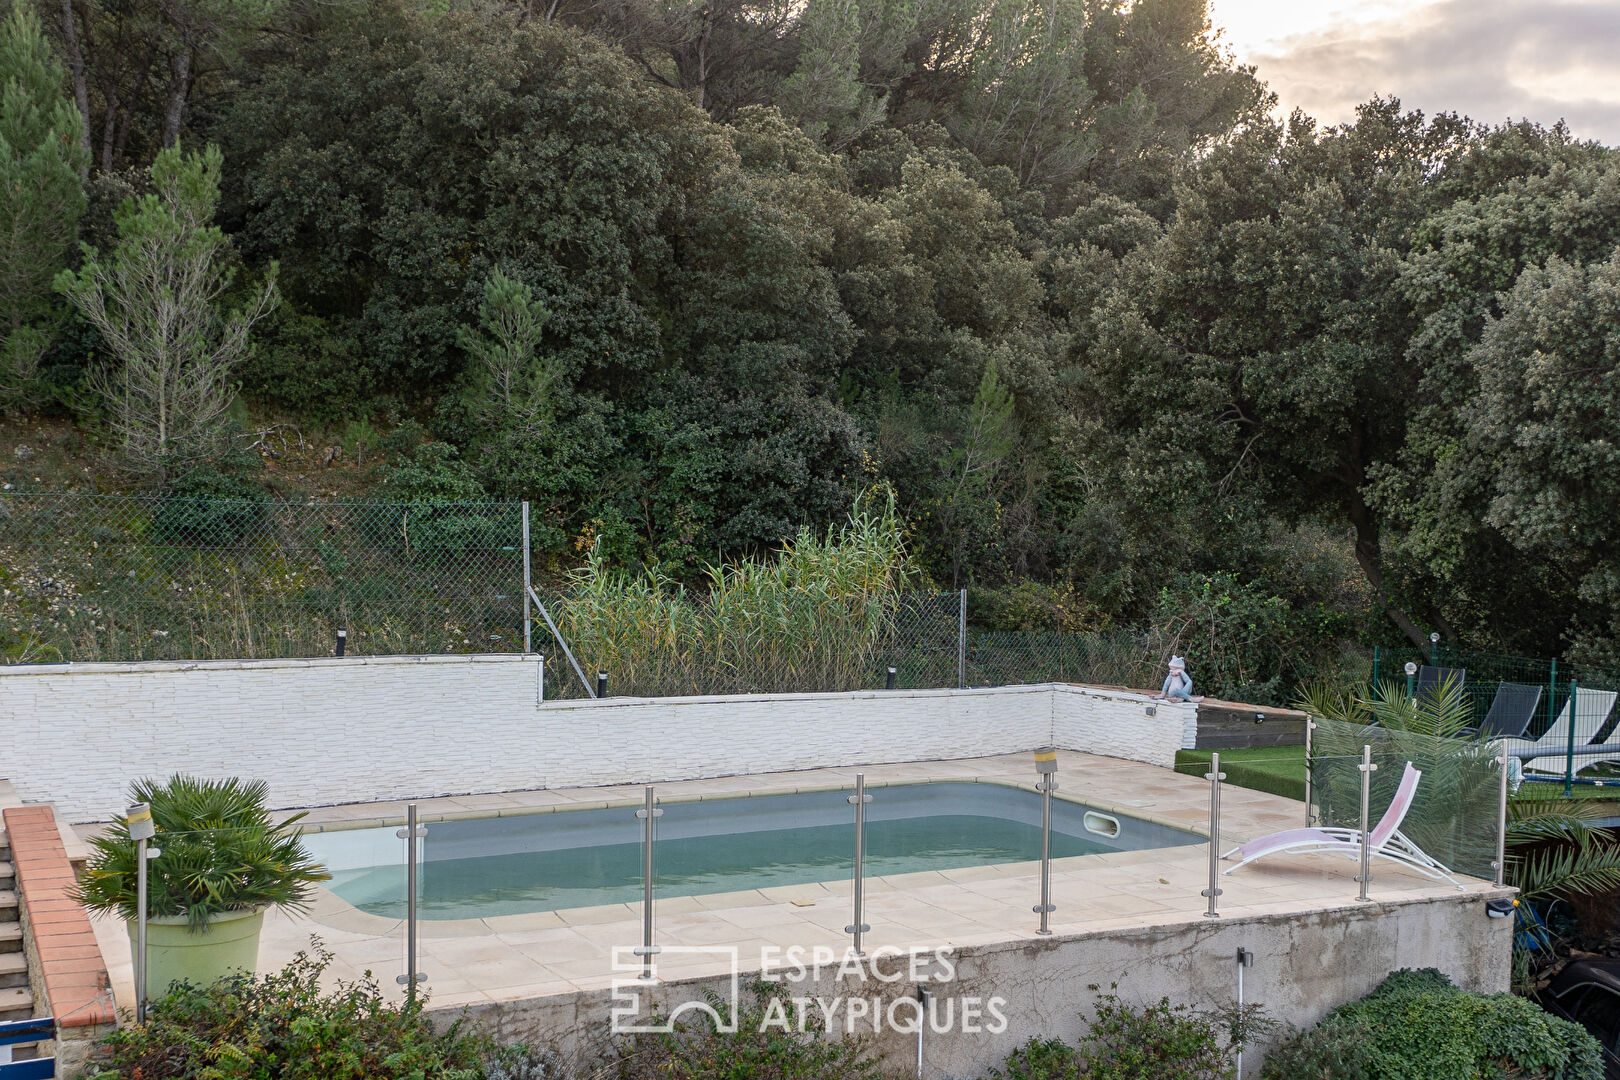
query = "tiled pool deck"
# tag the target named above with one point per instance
(508, 958)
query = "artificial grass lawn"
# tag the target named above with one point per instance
(1280, 770)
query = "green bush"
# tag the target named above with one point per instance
(755, 1051)
(1123, 1042)
(208, 509)
(283, 1027)
(1418, 1026)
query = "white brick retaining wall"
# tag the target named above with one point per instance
(361, 729)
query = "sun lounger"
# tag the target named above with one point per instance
(1591, 712)
(1384, 840)
(1511, 711)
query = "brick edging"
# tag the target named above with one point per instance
(55, 925)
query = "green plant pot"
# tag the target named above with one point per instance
(174, 954)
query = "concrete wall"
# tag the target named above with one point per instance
(362, 729)
(1305, 965)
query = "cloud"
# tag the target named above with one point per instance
(1493, 60)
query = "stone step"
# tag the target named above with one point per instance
(7, 874)
(13, 970)
(11, 940)
(8, 905)
(16, 1003)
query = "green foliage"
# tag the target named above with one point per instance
(790, 1046)
(207, 508)
(156, 301)
(284, 1026)
(1125, 1042)
(1418, 1026)
(222, 852)
(1040, 1059)
(817, 614)
(433, 473)
(42, 159)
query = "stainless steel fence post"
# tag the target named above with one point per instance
(961, 641)
(1214, 776)
(1367, 768)
(411, 833)
(649, 813)
(1500, 865)
(138, 820)
(526, 648)
(859, 799)
(1310, 726)
(1046, 769)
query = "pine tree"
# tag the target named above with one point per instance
(41, 196)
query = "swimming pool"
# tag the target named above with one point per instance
(481, 867)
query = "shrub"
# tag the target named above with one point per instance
(1040, 1059)
(1418, 1026)
(221, 852)
(755, 1051)
(1154, 1042)
(283, 1027)
(208, 509)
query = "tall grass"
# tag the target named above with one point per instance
(828, 612)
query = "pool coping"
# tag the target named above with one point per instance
(329, 909)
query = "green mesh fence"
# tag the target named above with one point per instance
(1453, 817)
(97, 578)
(1482, 673)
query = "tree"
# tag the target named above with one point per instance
(157, 302)
(514, 384)
(41, 196)
(1545, 422)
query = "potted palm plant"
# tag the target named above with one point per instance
(223, 861)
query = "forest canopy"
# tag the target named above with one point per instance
(690, 277)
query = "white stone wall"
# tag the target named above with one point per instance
(362, 729)
(1121, 723)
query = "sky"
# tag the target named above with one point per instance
(1493, 60)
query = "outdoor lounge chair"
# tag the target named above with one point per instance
(1431, 679)
(1511, 711)
(1384, 840)
(1590, 714)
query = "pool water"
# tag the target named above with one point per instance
(546, 862)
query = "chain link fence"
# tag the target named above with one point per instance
(164, 577)
(87, 578)
(808, 643)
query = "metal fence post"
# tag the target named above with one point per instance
(1046, 768)
(649, 813)
(410, 834)
(1367, 768)
(1574, 721)
(961, 640)
(1310, 726)
(526, 648)
(1552, 691)
(1500, 865)
(1214, 776)
(859, 799)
